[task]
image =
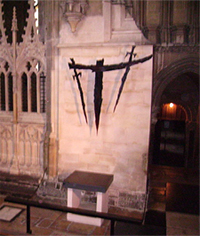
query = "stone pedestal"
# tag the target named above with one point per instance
(88, 181)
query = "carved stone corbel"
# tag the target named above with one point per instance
(74, 11)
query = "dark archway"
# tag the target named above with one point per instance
(178, 84)
(188, 67)
(169, 141)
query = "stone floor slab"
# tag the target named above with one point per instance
(44, 213)
(61, 225)
(81, 228)
(181, 231)
(101, 231)
(181, 220)
(44, 223)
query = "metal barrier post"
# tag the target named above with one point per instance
(28, 220)
(112, 225)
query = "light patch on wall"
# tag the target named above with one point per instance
(36, 13)
(172, 111)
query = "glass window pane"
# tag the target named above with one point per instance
(10, 92)
(2, 92)
(33, 92)
(42, 93)
(24, 93)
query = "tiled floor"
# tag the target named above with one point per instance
(181, 209)
(182, 224)
(163, 219)
(48, 222)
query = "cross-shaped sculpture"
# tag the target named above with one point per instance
(99, 68)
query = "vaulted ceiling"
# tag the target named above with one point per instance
(165, 22)
(162, 22)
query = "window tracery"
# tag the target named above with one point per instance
(33, 83)
(25, 72)
(6, 84)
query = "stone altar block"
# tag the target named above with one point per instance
(88, 181)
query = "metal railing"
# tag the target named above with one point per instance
(40, 204)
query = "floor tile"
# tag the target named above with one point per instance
(41, 231)
(61, 225)
(44, 213)
(181, 231)
(81, 228)
(61, 233)
(58, 233)
(182, 198)
(156, 218)
(133, 229)
(157, 206)
(16, 225)
(101, 231)
(44, 223)
(180, 220)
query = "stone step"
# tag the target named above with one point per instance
(16, 189)
(157, 198)
(24, 180)
(18, 185)
(157, 193)
(157, 184)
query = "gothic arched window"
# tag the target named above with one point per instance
(33, 87)
(2, 92)
(6, 87)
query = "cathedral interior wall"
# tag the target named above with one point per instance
(120, 146)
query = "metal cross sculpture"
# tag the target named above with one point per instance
(99, 68)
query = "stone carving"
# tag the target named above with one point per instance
(6, 133)
(178, 49)
(30, 142)
(74, 11)
(4, 66)
(31, 47)
(166, 30)
(22, 137)
(99, 68)
(4, 46)
(6, 144)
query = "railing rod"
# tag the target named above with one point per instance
(40, 204)
(107, 216)
(28, 220)
(112, 227)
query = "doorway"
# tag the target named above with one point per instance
(174, 138)
(174, 130)
(169, 149)
(169, 145)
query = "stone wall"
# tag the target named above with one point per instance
(120, 147)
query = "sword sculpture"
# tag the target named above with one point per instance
(99, 68)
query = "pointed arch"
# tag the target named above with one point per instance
(33, 95)
(6, 86)
(168, 75)
(24, 92)
(33, 86)
(2, 92)
(177, 83)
